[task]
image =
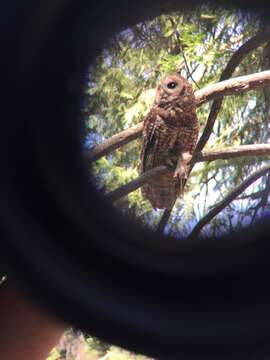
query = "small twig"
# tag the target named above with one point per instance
(194, 69)
(227, 200)
(253, 196)
(187, 67)
(184, 57)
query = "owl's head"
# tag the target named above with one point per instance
(172, 88)
(173, 84)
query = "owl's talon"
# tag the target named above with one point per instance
(180, 173)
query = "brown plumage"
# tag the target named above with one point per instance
(170, 134)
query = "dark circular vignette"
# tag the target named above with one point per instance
(68, 248)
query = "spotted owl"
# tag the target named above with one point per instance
(170, 134)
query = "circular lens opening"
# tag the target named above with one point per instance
(142, 143)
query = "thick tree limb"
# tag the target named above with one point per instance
(229, 87)
(233, 86)
(210, 155)
(233, 152)
(138, 182)
(114, 142)
(227, 200)
(235, 60)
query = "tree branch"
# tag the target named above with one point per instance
(263, 201)
(233, 86)
(138, 182)
(210, 155)
(235, 60)
(266, 192)
(253, 196)
(210, 92)
(114, 142)
(232, 152)
(227, 200)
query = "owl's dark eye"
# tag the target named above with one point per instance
(171, 85)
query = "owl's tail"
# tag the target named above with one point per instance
(162, 195)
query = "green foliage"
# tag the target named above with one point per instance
(121, 88)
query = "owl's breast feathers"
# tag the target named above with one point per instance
(168, 131)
